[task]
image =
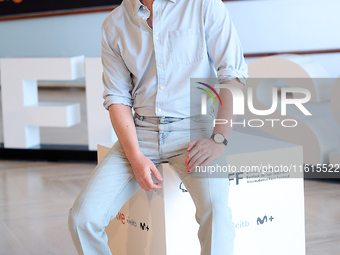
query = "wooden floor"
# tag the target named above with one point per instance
(322, 210)
(34, 201)
(35, 198)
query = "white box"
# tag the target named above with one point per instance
(163, 223)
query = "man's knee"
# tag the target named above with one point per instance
(83, 220)
(72, 221)
(215, 209)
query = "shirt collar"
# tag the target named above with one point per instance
(136, 4)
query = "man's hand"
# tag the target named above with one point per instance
(142, 168)
(202, 152)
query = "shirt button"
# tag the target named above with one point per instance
(161, 87)
(160, 64)
(156, 38)
(159, 110)
(144, 7)
(143, 18)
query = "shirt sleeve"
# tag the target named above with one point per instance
(223, 45)
(116, 76)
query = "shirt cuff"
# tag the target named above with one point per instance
(109, 100)
(229, 74)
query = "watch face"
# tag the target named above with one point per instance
(218, 138)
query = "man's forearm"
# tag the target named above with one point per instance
(226, 111)
(124, 126)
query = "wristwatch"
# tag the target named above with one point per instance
(219, 138)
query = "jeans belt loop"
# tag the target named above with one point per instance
(139, 117)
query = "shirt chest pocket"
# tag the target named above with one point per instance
(186, 45)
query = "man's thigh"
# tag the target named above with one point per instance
(112, 182)
(108, 187)
(204, 186)
(210, 195)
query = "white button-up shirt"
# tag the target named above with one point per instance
(150, 68)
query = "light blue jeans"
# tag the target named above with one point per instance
(112, 183)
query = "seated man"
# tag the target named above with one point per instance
(150, 50)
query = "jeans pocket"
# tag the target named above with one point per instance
(201, 126)
(186, 45)
(143, 124)
(208, 118)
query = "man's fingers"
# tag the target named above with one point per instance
(142, 185)
(192, 153)
(156, 173)
(204, 162)
(150, 184)
(193, 161)
(191, 144)
(198, 162)
(143, 174)
(196, 153)
(145, 186)
(187, 159)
